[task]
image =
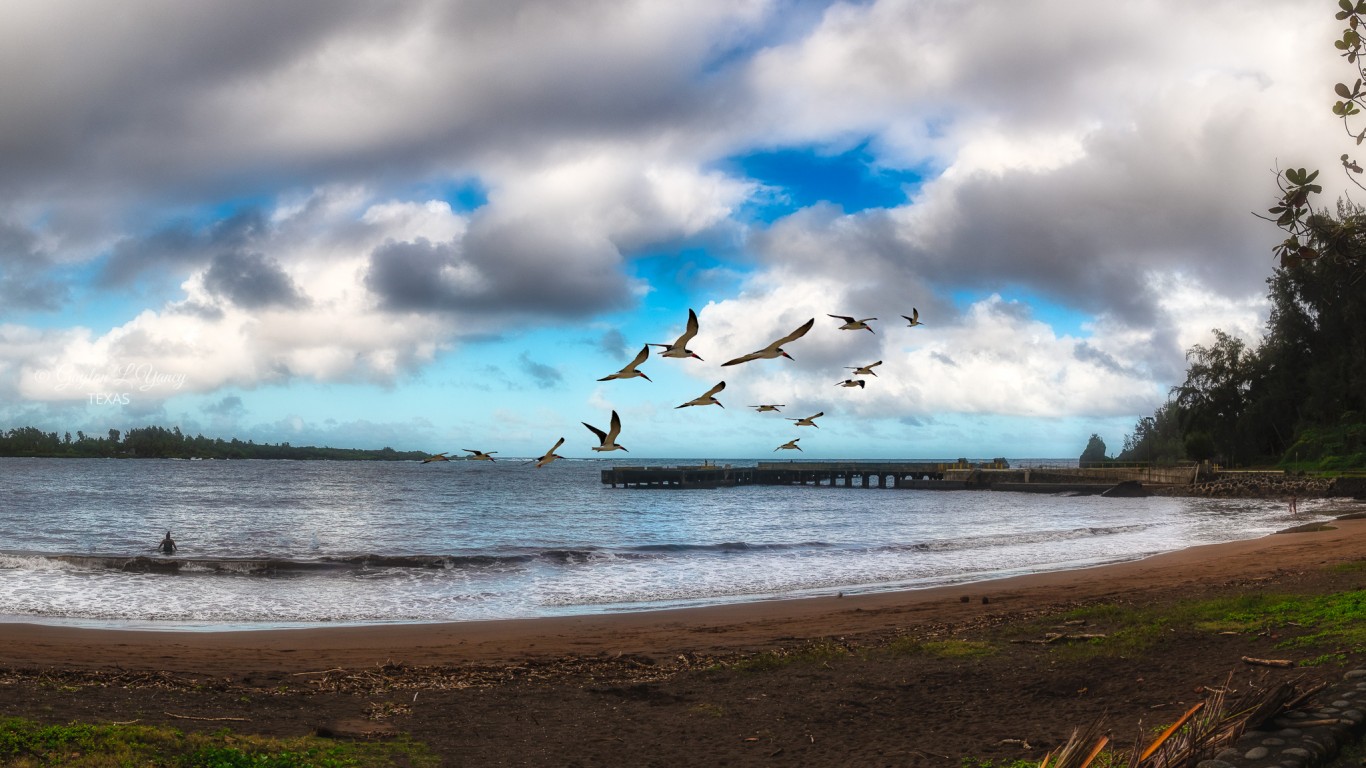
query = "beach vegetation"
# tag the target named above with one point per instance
(1335, 659)
(1335, 621)
(26, 744)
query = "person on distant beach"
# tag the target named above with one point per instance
(167, 545)
(1294, 509)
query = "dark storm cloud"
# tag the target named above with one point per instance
(181, 247)
(411, 276)
(25, 282)
(251, 281)
(544, 376)
(508, 269)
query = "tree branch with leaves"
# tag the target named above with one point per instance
(1293, 211)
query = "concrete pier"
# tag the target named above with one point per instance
(917, 475)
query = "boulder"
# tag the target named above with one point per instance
(1128, 489)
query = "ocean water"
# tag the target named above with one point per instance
(285, 543)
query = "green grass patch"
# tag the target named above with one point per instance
(1337, 621)
(1335, 659)
(941, 649)
(816, 653)
(1356, 566)
(26, 744)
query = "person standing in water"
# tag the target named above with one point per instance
(167, 545)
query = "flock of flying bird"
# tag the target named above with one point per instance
(607, 441)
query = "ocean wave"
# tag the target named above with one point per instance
(731, 546)
(997, 540)
(283, 566)
(371, 563)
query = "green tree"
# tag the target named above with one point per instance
(1157, 439)
(1200, 446)
(1215, 392)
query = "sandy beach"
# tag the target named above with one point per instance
(673, 687)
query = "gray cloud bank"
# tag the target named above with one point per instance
(253, 151)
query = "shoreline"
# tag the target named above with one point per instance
(173, 627)
(744, 627)
(236, 622)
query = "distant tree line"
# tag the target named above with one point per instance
(160, 443)
(1297, 399)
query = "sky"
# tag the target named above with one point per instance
(435, 225)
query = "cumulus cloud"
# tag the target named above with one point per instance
(277, 174)
(995, 358)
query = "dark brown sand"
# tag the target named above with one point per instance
(661, 688)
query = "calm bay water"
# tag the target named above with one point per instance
(283, 543)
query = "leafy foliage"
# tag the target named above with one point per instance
(1298, 398)
(159, 442)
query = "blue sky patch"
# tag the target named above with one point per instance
(806, 176)
(1065, 321)
(463, 195)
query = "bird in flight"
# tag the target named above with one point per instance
(707, 397)
(864, 370)
(913, 318)
(436, 457)
(479, 455)
(680, 346)
(630, 372)
(769, 407)
(550, 455)
(607, 441)
(809, 421)
(775, 349)
(860, 383)
(850, 324)
(790, 445)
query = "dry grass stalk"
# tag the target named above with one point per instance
(1173, 728)
(1216, 723)
(1081, 748)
